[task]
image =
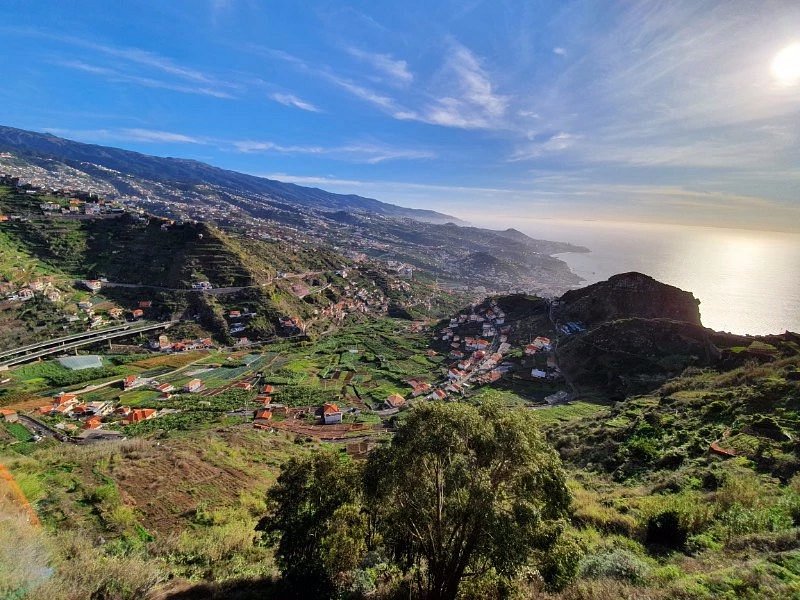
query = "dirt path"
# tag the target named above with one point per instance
(18, 495)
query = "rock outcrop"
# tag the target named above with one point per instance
(629, 295)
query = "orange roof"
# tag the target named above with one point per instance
(395, 400)
(330, 407)
(63, 397)
(264, 413)
(268, 389)
(92, 423)
(7, 413)
(140, 414)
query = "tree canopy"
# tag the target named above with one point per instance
(460, 492)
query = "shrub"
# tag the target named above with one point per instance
(665, 529)
(615, 564)
(701, 542)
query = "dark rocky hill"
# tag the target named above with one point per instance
(641, 332)
(629, 295)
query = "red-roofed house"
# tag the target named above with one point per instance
(92, 423)
(437, 395)
(263, 417)
(331, 414)
(395, 401)
(138, 415)
(64, 398)
(165, 388)
(130, 381)
(9, 416)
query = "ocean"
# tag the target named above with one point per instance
(748, 282)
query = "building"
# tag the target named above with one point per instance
(93, 285)
(92, 423)
(9, 416)
(195, 385)
(165, 389)
(331, 414)
(395, 401)
(130, 381)
(138, 415)
(137, 313)
(262, 418)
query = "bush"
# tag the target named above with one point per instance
(615, 564)
(665, 529)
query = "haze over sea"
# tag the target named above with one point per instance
(747, 281)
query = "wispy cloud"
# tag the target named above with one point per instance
(462, 94)
(292, 100)
(135, 66)
(471, 100)
(128, 134)
(672, 84)
(395, 71)
(362, 152)
(116, 76)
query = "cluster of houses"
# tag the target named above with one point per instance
(403, 270)
(235, 318)
(44, 287)
(263, 415)
(90, 204)
(92, 415)
(164, 344)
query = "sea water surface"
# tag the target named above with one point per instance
(748, 282)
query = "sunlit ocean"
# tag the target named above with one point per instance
(748, 282)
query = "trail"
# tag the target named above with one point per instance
(19, 496)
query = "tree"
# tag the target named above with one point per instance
(308, 506)
(463, 491)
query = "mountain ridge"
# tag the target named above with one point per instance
(46, 146)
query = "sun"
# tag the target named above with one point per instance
(786, 65)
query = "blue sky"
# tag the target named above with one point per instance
(493, 111)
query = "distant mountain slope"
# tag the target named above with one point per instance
(182, 172)
(188, 190)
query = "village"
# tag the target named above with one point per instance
(360, 388)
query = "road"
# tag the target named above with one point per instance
(218, 291)
(221, 291)
(97, 336)
(44, 430)
(61, 340)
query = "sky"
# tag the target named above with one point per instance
(657, 111)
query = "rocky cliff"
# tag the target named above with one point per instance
(626, 296)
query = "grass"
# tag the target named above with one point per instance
(18, 431)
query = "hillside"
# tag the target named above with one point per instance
(683, 490)
(629, 295)
(184, 190)
(120, 166)
(158, 261)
